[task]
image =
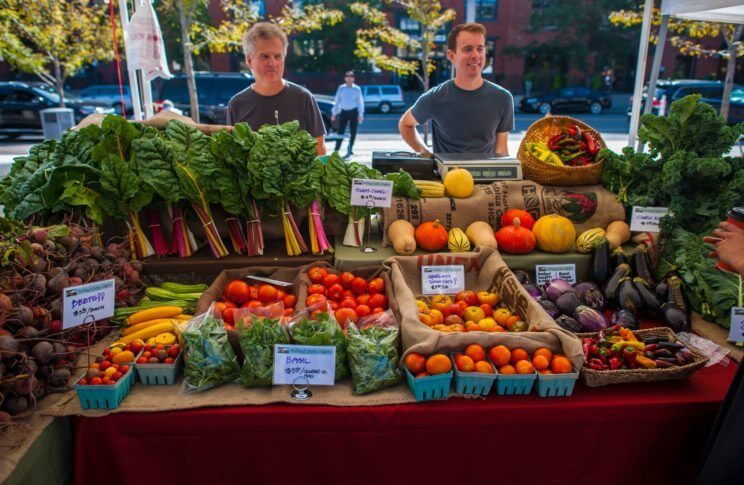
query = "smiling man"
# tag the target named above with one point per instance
(271, 98)
(468, 113)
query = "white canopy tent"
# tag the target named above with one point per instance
(721, 11)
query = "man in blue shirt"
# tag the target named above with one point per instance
(349, 104)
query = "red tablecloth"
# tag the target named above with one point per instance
(640, 433)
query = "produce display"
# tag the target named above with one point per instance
(617, 348)
(572, 147)
(113, 365)
(373, 353)
(519, 361)
(468, 311)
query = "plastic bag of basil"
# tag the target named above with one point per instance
(209, 359)
(373, 352)
(316, 325)
(259, 329)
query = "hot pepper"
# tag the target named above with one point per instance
(587, 344)
(629, 354)
(614, 363)
(573, 130)
(590, 143)
(552, 142)
(645, 362)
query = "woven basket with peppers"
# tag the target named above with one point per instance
(560, 150)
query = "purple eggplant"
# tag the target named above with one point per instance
(568, 323)
(590, 319)
(618, 257)
(533, 290)
(568, 302)
(549, 308)
(651, 303)
(557, 287)
(601, 263)
(641, 267)
(522, 276)
(594, 299)
(625, 319)
(661, 290)
(675, 318)
(676, 294)
(583, 286)
(628, 297)
(612, 286)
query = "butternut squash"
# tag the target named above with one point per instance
(401, 235)
(618, 233)
(481, 234)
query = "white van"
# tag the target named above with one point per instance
(383, 97)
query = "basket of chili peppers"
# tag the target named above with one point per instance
(618, 355)
(560, 150)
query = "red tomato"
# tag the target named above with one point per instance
(346, 279)
(247, 304)
(290, 301)
(317, 288)
(348, 303)
(315, 299)
(267, 293)
(123, 369)
(377, 310)
(104, 365)
(288, 312)
(363, 299)
(168, 360)
(343, 315)
(229, 304)
(378, 300)
(280, 294)
(116, 376)
(147, 354)
(335, 292)
(376, 285)
(173, 351)
(229, 316)
(331, 279)
(359, 286)
(334, 305)
(363, 311)
(142, 360)
(315, 313)
(237, 291)
(220, 306)
(348, 294)
(255, 304)
(254, 293)
(316, 274)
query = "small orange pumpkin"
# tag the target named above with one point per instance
(525, 218)
(515, 239)
(431, 236)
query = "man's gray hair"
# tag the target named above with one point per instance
(265, 31)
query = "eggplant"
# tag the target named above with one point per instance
(628, 297)
(568, 323)
(583, 286)
(549, 308)
(676, 294)
(675, 317)
(601, 263)
(612, 286)
(618, 257)
(661, 290)
(522, 276)
(594, 299)
(533, 290)
(590, 319)
(557, 287)
(626, 319)
(650, 302)
(641, 265)
(568, 302)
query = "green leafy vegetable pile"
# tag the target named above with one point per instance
(373, 357)
(210, 360)
(686, 170)
(257, 340)
(324, 330)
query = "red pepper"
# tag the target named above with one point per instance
(591, 145)
(614, 363)
(553, 141)
(587, 347)
(573, 130)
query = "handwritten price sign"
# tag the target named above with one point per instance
(646, 219)
(438, 280)
(81, 302)
(371, 193)
(305, 364)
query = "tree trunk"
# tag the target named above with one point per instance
(59, 83)
(188, 64)
(730, 68)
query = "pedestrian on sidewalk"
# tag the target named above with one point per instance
(349, 108)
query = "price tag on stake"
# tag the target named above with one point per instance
(547, 272)
(314, 364)
(371, 193)
(736, 332)
(440, 280)
(646, 219)
(80, 303)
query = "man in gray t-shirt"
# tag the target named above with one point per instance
(468, 113)
(271, 98)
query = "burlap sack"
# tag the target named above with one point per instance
(587, 206)
(484, 270)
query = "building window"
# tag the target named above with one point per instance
(486, 9)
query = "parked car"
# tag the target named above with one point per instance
(383, 97)
(20, 104)
(571, 99)
(668, 91)
(325, 104)
(107, 94)
(214, 90)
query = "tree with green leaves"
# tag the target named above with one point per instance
(54, 39)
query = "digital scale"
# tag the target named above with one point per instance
(421, 167)
(485, 167)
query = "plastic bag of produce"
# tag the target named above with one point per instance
(316, 325)
(210, 360)
(373, 349)
(259, 329)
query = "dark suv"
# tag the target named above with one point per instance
(214, 90)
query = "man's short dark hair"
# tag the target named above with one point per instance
(473, 27)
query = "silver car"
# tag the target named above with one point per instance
(107, 94)
(383, 97)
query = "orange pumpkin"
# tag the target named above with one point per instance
(525, 218)
(431, 236)
(515, 239)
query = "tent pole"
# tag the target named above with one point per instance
(731, 67)
(133, 84)
(640, 73)
(655, 66)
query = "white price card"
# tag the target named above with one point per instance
(547, 272)
(646, 219)
(371, 193)
(438, 280)
(303, 365)
(88, 303)
(736, 332)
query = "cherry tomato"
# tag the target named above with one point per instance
(359, 286)
(319, 289)
(331, 279)
(174, 350)
(237, 291)
(346, 279)
(376, 285)
(316, 274)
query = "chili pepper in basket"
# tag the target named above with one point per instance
(591, 145)
(615, 363)
(630, 354)
(573, 130)
(552, 142)
(587, 345)
(645, 362)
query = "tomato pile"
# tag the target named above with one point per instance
(114, 364)
(239, 294)
(349, 296)
(159, 354)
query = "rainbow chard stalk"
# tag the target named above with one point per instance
(236, 234)
(158, 241)
(254, 240)
(318, 240)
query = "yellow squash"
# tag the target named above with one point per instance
(554, 233)
(458, 242)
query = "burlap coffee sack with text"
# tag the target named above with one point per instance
(484, 270)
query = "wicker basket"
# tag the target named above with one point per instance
(597, 378)
(548, 174)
